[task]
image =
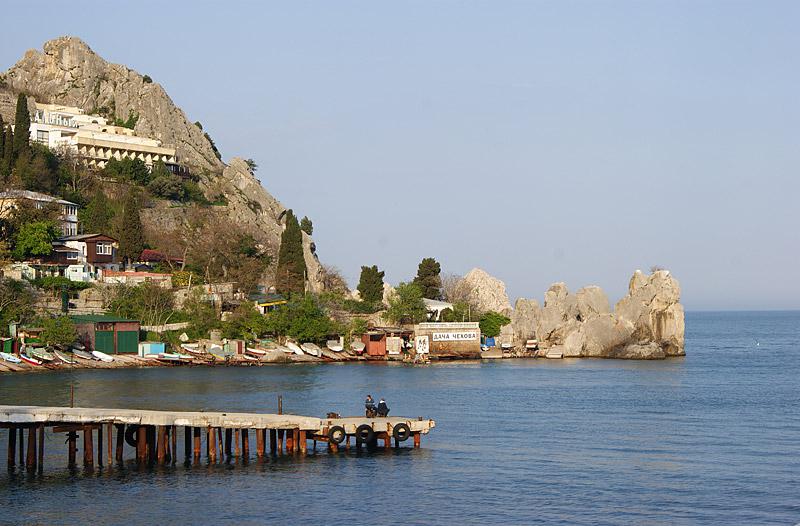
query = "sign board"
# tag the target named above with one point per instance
(421, 343)
(455, 336)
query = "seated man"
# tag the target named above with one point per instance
(369, 404)
(383, 409)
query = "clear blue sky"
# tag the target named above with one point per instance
(541, 141)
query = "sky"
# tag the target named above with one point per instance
(541, 141)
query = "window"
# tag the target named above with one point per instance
(42, 136)
(72, 256)
(104, 249)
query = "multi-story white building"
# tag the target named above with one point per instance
(93, 139)
(68, 216)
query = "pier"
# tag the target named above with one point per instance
(151, 437)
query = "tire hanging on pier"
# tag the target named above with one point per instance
(130, 435)
(336, 434)
(401, 432)
(364, 434)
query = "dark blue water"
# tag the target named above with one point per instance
(713, 438)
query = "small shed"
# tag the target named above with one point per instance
(383, 341)
(108, 334)
(146, 348)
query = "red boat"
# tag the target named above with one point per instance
(30, 360)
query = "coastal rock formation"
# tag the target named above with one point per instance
(487, 292)
(68, 72)
(646, 324)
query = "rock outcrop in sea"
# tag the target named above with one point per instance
(486, 292)
(648, 323)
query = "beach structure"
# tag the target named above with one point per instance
(107, 334)
(153, 435)
(380, 342)
(449, 340)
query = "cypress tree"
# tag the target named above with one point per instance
(8, 153)
(306, 225)
(131, 234)
(428, 279)
(370, 284)
(22, 125)
(290, 275)
(2, 137)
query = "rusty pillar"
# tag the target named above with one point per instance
(40, 460)
(100, 445)
(187, 442)
(273, 441)
(72, 441)
(173, 457)
(221, 447)
(212, 445)
(347, 442)
(289, 441)
(296, 439)
(333, 447)
(228, 440)
(141, 444)
(280, 441)
(120, 442)
(387, 441)
(303, 442)
(12, 446)
(161, 453)
(259, 442)
(88, 447)
(197, 446)
(30, 458)
(416, 440)
(21, 446)
(110, 433)
(237, 442)
(151, 444)
(245, 443)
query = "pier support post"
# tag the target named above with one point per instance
(296, 439)
(120, 442)
(209, 438)
(236, 442)
(21, 446)
(289, 441)
(228, 439)
(162, 445)
(141, 444)
(12, 446)
(416, 440)
(273, 441)
(151, 444)
(303, 443)
(40, 461)
(110, 432)
(187, 442)
(387, 441)
(245, 443)
(221, 447)
(173, 435)
(100, 445)
(280, 441)
(197, 446)
(30, 460)
(259, 443)
(212, 445)
(88, 447)
(72, 441)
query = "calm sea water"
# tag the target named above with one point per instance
(713, 438)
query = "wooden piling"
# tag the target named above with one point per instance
(120, 442)
(100, 445)
(228, 438)
(72, 441)
(110, 432)
(151, 444)
(259, 443)
(173, 457)
(21, 446)
(236, 443)
(245, 443)
(187, 442)
(30, 459)
(302, 441)
(296, 440)
(333, 447)
(162, 445)
(197, 446)
(221, 446)
(208, 442)
(141, 444)
(416, 440)
(280, 441)
(88, 447)
(273, 441)
(212, 445)
(40, 461)
(289, 441)
(12, 446)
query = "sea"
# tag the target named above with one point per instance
(709, 438)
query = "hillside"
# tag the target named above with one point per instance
(69, 72)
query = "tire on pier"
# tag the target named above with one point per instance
(130, 434)
(336, 434)
(365, 434)
(401, 432)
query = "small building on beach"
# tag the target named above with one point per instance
(108, 334)
(380, 342)
(449, 340)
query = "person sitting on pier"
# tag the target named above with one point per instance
(383, 409)
(369, 404)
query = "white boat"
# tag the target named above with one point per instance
(294, 348)
(312, 349)
(103, 357)
(192, 348)
(10, 358)
(256, 352)
(249, 358)
(63, 357)
(505, 346)
(357, 346)
(284, 349)
(334, 345)
(30, 359)
(83, 354)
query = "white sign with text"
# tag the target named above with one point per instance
(460, 336)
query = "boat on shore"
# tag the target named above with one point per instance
(256, 352)
(311, 349)
(294, 348)
(334, 345)
(103, 357)
(79, 353)
(41, 354)
(358, 347)
(29, 359)
(10, 358)
(63, 357)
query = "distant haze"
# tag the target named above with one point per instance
(553, 141)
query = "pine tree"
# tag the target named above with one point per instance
(429, 279)
(131, 235)
(22, 126)
(306, 225)
(290, 276)
(370, 284)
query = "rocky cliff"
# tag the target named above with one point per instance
(648, 323)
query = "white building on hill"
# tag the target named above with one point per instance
(68, 211)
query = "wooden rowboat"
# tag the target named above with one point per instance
(103, 357)
(10, 358)
(29, 359)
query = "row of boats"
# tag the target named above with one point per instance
(39, 356)
(265, 348)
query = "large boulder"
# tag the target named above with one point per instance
(652, 306)
(558, 317)
(487, 292)
(592, 301)
(524, 320)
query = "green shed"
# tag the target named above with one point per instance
(108, 334)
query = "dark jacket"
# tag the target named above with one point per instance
(383, 409)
